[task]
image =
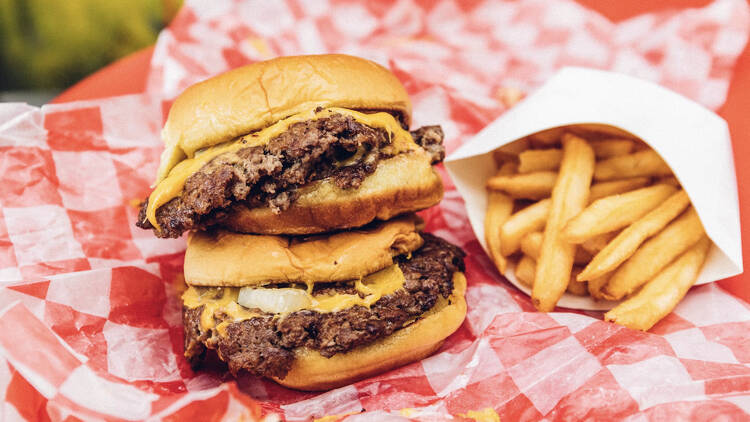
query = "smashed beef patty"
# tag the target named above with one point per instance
(265, 345)
(270, 174)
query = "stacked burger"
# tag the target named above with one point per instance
(297, 179)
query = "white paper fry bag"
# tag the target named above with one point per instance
(693, 140)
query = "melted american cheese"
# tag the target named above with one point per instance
(171, 186)
(216, 300)
(373, 287)
(223, 300)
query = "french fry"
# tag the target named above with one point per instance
(529, 219)
(533, 160)
(539, 185)
(595, 244)
(507, 168)
(569, 196)
(547, 138)
(640, 146)
(642, 163)
(615, 212)
(655, 254)
(670, 180)
(604, 189)
(535, 185)
(662, 294)
(517, 147)
(499, 208)
(595, 285)
(531, 244)
(575, 287)
(582, 257)
(625, 244)
(503, 157)
(612, 147)
(525, 270)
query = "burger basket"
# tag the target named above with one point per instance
(693, 141)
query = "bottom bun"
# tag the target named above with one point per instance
(400, 184)
(313, 372)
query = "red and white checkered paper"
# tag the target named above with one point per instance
(90, 326)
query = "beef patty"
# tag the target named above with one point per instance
(269, 174)
(264, 345)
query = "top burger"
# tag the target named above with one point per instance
(293, 145)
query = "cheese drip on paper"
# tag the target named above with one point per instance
(171, 186)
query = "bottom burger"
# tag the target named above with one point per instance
(319, 312)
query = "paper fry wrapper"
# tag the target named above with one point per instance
(693, 140)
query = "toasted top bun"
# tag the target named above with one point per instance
(252, 97)
(222, 258)
(312, 372)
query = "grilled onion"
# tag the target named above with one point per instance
(273, 300)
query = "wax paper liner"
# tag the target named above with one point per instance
(693, 140)
(89, 310)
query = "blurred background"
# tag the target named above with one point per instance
(49, 45)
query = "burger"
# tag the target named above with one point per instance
(297, 180)
(321, 311)
(293, 145)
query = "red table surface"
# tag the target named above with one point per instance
(128, 76)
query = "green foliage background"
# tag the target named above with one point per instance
(49, 44)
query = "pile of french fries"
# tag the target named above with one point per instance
(583, 212)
